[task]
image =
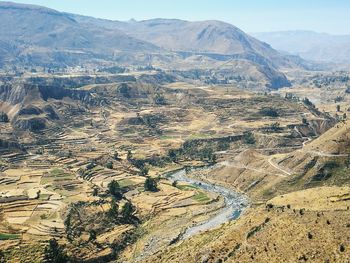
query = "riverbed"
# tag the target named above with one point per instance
(234, 203)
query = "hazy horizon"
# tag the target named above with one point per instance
(250, 16)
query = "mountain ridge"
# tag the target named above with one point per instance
(39, 36)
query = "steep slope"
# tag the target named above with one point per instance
(310, 45)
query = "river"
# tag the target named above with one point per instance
(234, 203)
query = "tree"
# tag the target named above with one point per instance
(174, 184)
(109, 165)
(116, 156)
(159, 99)
(151, 185)
(92, 235)
(308, 103)
(114, 210)
(129, 155)
(144, 171)
(54, 253)
(212, 158)
(338, 107)
(90, 166)
(172, 153)
(4, 117)
(248, 137)
(2, 257)
(276, 126)
(95, 192)
(115, 190)
(127, 210)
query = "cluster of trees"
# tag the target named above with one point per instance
(190, 150)
(127, 210)
(126, 215)
(196, 149)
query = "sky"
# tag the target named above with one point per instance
(328, 16)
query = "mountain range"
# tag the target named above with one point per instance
(39, 36)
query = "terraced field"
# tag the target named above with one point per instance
(66, 169)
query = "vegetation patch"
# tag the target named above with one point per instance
(201, 197)
(5, 236)
(186, 187)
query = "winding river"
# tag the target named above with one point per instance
(234, 203)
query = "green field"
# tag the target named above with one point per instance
(4, 236)
(201, 197)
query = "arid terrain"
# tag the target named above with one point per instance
(153, 149)
(60, 153)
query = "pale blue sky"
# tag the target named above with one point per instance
(331, 16)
